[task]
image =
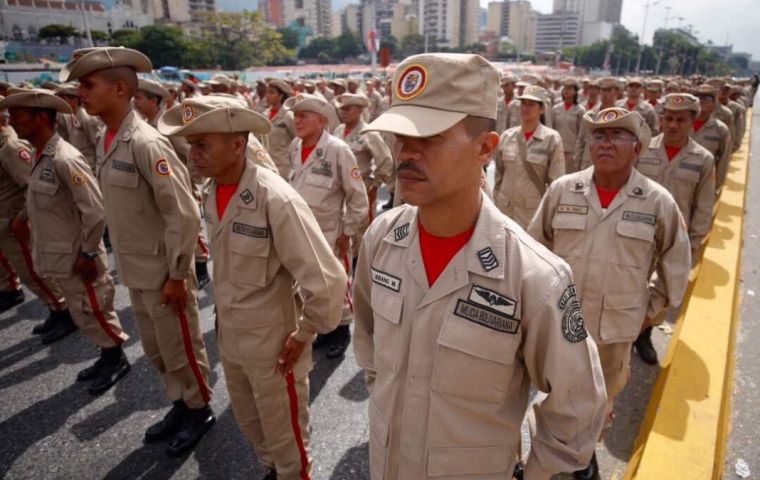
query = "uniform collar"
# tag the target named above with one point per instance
(246, 197)
(635, 187)
(318, 152)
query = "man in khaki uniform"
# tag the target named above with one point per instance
(634, 103)
(567, 121)
(79, 128)
(154, 223)
(264, 238)
(738, 113)
(65, 209)
(17, 260)
(529, 157)
(591, 99)
(722, 112)
(609, 88)
(616, 229)
(327, 177)
(283, 131)
(687, 171)
(508, 113)
(712, 133)
(374, 98)
(458, 310)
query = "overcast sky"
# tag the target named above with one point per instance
(716, 20)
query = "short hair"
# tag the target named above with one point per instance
(474, 126)
(50, 113)
(127, 74)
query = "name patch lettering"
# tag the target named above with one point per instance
(250, 230)
(123, 166)
(486, 317)
(578, 209)
(639, 217)
(386, 280)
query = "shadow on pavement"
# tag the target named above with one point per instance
(353, 465)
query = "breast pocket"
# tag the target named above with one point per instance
(45, 194)
(248, 258)
(634, 245)
(473, 361)
(387, 309)
(569, 234)
(123, 174)
(685, 184)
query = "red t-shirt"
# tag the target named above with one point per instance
(591, 105)
(346, 133)
(606, 196)
(631, 106)
(437, 252)
(672, 152)
(109, 139)
(305, 152)
(568, 106)
(224, 194)
(528, 135)
(273, 113)
(698, 124)
(653, 103)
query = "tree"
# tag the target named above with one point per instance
(290, 38)
(124, 36)
(349, 44)
(164, 45)
(57, 32)
(98, 35)
(413, 44)
(321, 48)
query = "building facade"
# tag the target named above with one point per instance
(451, 23)
(556, 31)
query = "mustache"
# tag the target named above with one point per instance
(411, 167)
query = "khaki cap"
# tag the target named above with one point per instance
(617, 117)
(716, 82)
(152, 86)
(609, 82)
(306, 102)
(34, 98)
(212, 114)
(655, 85)
(678, 102)
(706, 89)
(635, 81)
(341, 82)
(49, 85)
(592, 82)
(222, 79)
(432, 92)
(530, 79)
(103, 58)
(508, 78)
(346, 99)
(282, 85)
(71, 89)
(4, 84)
(534, 93)
(570, 82)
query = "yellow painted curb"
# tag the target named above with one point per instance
(686, 425)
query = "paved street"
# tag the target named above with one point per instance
(50, 428)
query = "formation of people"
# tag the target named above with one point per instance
(462, 297)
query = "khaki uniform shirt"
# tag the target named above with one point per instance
(716, 138)
(568, 124)
(738, 113)
(449, 367)
(582, 146)
(152, 216)
(507, 114)
(82, 131)
(255, 151)
(260, 104)
(374, 104)
(646, 110)
(282, 134)
(613, 252)
(724, 114)
(372, 154)
(266, 240)
(330, 182)
(65, 207)
(15, 166)
(521, 181)
(690, 178)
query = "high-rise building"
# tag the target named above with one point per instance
(522, 26)
(498, 18)
(175, 11)
(314, 15)
(598, 17)
(556, 31)
(451, 23)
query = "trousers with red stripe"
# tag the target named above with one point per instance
(91, 306)
(17, 263)
(174, 344)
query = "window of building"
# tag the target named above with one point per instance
(299, 3)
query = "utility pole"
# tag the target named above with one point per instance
(86, 23)
(643, 33)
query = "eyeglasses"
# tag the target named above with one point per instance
(615, 138)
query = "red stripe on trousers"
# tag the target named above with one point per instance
(293, 397)
(347, 266)
(202, 244)
(35, 277)
(13, 282)
(99, 315)
(191, 357)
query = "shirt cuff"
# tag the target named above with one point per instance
(304, 336)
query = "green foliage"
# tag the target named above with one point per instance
(330, 50)
(124, 36)
(289, 38)
(98, 35)
(414, 43)
(57, 32)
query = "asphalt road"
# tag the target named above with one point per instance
(51, 428)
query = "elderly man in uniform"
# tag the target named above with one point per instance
(154, 223)
(78, 128)
(458, 310)
(264, 238)
(624, 238)
(529, 157)
(508, 113)
(15, 250)
(65, 209)
(635, 103)
(712, 133)
(328, 178)
(609, 88)
(687, 171)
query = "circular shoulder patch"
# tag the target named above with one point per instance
(78, 178)
(162, 167)
(412, 82)
(355, 173)
(188, 113)
(25, 155)
(573, 326)
(261, 155)
(677, 100)
(611, 116)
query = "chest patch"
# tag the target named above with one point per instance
(123, 166)
(577, 209)
(639, 217)
(400, 233)
(47, 175)
(386, 280)
(482, 315)
(250, 230)
(691, 166)
(487, 259)
(324, 169)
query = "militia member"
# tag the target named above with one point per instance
(529, 157)
(712, 133)
(154, 222)
(508, 113)
(609, 89)
(78, 128)
(634, 103)
(328, 178)
(458, 310)
(592, 95)
(568, 118)
(283, 131)
(264, 238)
(65, 210)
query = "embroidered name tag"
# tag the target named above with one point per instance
(386, 280)
(639, 217)
(486, 317)
(123, 166)
(324, 169)
(250, 230)
(539, 151)
(47, 175)
(691, 166)
(711, 138)
(650, 160)
(578, 209)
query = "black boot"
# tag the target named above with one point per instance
(389, 204)
(197, 422)
(107, 240)
(63, 326)
(113, 366)
(338, 342)
(271, 475)
(47, 325)
(168, 425)
(519, 472)
(589, 473)
(644, 347)
(10, 298)
(201, 273)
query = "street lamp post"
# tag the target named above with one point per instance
(643, 32)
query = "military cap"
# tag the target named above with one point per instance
(102, 58)
(70, 88)
(655, 85)
(570, 82)
(153, 87)
(341, 82)
(635, 81)
(617, 117)
(306, 102)
(34, 98)
(534, 93)
(49, 85)
(432, 92)
(706, 89)
(609, 82)
(508, 78)
(346, 99)
(531, 79)
(677, 102)
(281, 85)
(212, 114)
